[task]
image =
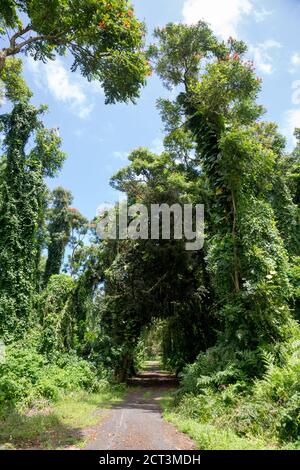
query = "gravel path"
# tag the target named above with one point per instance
(137, 423)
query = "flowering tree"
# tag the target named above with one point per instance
(104, 38)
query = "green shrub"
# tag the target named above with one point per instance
(289, 426)
(267, 407)
(27, 376)
(57, 326)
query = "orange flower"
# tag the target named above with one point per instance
(127, 24)
(102, 25)
(130, 13)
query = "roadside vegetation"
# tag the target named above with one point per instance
(79, 314)
(259, 414)
(63, 423)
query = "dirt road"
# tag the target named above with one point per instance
(137, 423)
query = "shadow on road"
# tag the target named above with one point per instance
(152, 376)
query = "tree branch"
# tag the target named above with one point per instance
(31, 40)
(18, 34)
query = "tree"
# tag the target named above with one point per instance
(79, 229)
(104, 38)
(59, 229)
(245, 254)
(291, 169)
(12, 85)
(23, 197)
(57, 325)
(294, 170)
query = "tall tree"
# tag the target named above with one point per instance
(294, 170)
(66, 226)
(245, 253)
(104, 38)
(23, 194)
(59, 229)
(79, 229)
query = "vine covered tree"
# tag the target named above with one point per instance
(59, 229)
(65, 226)
(245, 254)
(23, 193)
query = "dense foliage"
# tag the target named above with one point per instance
(22, 199)
(104, 38)
(225, 318)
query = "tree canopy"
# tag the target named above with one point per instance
(104, 38)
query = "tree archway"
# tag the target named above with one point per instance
(150, 281)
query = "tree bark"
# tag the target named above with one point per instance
(2, 60)
(235, 255)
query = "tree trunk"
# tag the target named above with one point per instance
(235, 255)
(2, 60)
(121, 373)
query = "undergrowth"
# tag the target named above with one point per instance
(222, 410)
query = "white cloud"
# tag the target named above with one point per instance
(61, 85)
(261, 15)
(121, 155)
(85, 111)
(292, 120)
(295, 59)
(223, 15)
(262, 57)
(2, 97)
(157, 145)
(95, 87)
(296, 92)
(65, 86)
(292, 117)
(295, 62)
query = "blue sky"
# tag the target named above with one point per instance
(97, 138)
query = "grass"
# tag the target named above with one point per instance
(59, 425)
(207, 436)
